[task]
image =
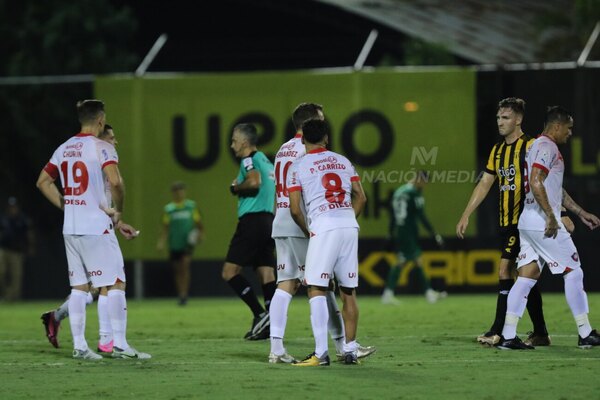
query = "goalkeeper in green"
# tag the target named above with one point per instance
(407, 208)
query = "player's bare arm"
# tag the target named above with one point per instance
(479, 193)
(359, 199)
(590, 220)
(250, 186)
(46, 185)
(296, 211)
(117, 190)
(536, 181)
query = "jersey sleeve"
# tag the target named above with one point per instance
(490, 167)
(544, 156)
(51, 167)
(354, 175)
(293, 179)
(107, 153)
(248, 164)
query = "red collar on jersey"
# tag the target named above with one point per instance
(83, 134)
(319, 150)
(298, 135)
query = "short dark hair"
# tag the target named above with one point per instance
(89, 110)
(314, 130)
(177, 185)
(557, 114)
(514, 103)
(305, 112)
(104, 133)
(249, 131)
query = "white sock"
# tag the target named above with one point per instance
(577, 300)
(62, 312)
(89, 299)
(105, 330)
(318, 318)
(278, 315)
(77, 318)
(515, 307)
(335, 324)
(117, 311)
(351, 347)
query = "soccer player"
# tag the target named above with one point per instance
(408, 207)
(506, 162)
(330, 189)
(52, 319)
(252, 244)
(93, 252)
(291, 245)
(183, 227)
(544, 240)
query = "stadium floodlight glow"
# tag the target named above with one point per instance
(160, 42)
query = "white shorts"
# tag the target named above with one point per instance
(291, 257)
(94, 258)
(559, 253)
(333, 253)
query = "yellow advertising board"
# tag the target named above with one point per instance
(389, 123)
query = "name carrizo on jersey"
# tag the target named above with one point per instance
(325, 179)
(79, 163)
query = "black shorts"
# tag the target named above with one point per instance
(510, 242)
(252, 244)
(176, 255)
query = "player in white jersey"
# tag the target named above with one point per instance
(93, 252)
(328, 186)
(291, 245)
(544, 240)
(52, 319)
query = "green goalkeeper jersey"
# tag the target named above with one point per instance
(181, 219)
(408, 207)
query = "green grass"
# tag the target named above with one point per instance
(424, 352)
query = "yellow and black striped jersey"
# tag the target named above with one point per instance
(507, 161)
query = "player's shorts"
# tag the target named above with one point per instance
(94, 258)
(407, 248)
(176, 255)
(510, 242)
(333, 253)
(559, 254)
(291, 257)
(252, 244)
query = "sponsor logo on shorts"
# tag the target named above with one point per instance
(325, 275)
(552, 264)
(301, 268)
(522, 256)
(94, 273)
(575, 257)
(351, 274)
(322, 208)
(280, 267)
(71, 273)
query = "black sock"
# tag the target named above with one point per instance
(268, 292)
(504, 288)
(536, 313)
(242, 288)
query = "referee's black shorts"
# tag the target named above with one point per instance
(510, 242)
(252, 245)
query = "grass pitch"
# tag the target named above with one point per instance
(424, 352)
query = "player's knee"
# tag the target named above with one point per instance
(573, 275)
